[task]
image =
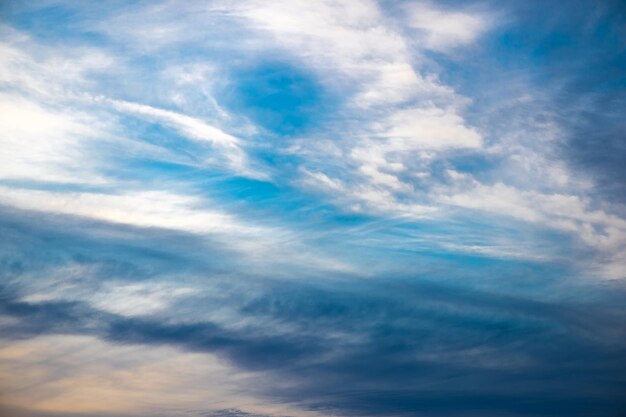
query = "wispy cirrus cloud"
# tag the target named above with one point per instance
(196, 129)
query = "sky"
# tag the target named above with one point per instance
(292, 208)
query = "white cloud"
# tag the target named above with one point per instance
(396, 123)
(442, 30)
(138, 298)
(194, 86)
(53, 73)
(386, 180)
(51, 87)
(44, 132)
(321, 180)
(83, 282)
(264, 245)
(346, 40)
(195, 129)
(398, 112)
(405, 129)
(160, 209)
(428, 128)
(192, 127)
(375, 197)
(45, 144)
(604, 232)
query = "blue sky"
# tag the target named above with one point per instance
(297, 208)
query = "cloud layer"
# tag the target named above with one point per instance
(295, 208)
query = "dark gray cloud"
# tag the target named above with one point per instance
(233, 412)
(393, 348)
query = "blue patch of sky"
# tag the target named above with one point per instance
(279, 96)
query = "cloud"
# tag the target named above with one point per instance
(373, 163)
(195, 129)
(43, 143)
(349, 40)
(263, 244)
(50, 71)
(432, 128)
(604, 232)
(90, 376)
(134, 299)
(443, 30)
(296, 208)
(417, 334)
(393, 111)
(146, 209)
(37, 75)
